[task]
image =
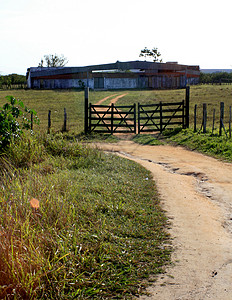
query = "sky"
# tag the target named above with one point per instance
(89, 32)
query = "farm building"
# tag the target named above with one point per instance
(119, 75)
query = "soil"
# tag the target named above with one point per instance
(196, 193)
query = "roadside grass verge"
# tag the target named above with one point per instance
(210, 144)
(76, 222)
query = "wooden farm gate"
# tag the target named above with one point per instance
(122, 119)
(160, 116)
(112, 118)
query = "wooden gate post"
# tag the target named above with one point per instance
(138, 118)
(134, 118)
(112, 118)
(187, 97)
(86, 109)
(161, 118)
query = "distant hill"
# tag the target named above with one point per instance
(210, 71)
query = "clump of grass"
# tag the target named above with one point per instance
(98, 231)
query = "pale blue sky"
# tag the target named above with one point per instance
(104, 31)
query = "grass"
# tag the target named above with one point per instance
(210, 144)
(73, 101)
(98, 232)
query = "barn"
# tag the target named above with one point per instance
(119, 75)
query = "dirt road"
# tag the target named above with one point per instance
(196, 192)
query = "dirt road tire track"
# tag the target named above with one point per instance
(196, 192)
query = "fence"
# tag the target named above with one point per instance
(13, 86)
(221, 121)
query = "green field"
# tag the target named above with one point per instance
(56, 100)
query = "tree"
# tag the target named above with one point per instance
(153, 53)
(53, 61)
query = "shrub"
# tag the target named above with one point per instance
(13, 120)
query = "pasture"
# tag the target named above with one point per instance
(56, 100)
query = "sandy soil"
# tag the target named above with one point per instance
(196, 192)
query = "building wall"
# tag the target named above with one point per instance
(156, 82)
(120, 83)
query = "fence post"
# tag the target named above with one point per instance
(32, 121)
(90, 118)
(195, 118)
(161, 118)
(65, 121)
(49, 121)
(213, 120)
(86, 109)
(221, 117)
(112, 118)
(187, 97)
(204, 117)
(230, 123)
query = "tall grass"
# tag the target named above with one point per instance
(97, 232)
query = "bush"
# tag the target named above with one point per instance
(13, 120)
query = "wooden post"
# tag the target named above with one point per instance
(90, 118)
(213, 120)
(49, 121)
(195, 118)
(65, 120)
(138, 118)
(221, 117)
(134, 118)
(230, 123)
(183, 116)
(187, 97)
(161, 118)
(112, 118)
(86, 109)
(32, 121)
(204, 117)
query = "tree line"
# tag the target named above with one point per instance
(12, 79)
(216, 78)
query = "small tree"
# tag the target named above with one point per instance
(153, 53)
(55, 60)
